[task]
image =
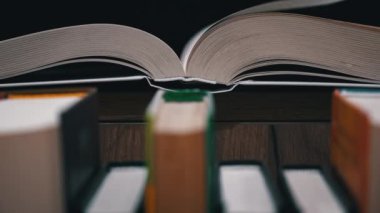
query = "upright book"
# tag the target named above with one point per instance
(251, 47)
(355, 147)
(48, 149)
(180, 153)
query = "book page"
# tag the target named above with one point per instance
(244, 189)
(32, 114)
(311, 191)
(285, 5)
(265, 7)
(121, 190)
(111, 43)
(369, 102)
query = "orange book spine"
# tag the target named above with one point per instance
(180, 172)
(350, 142)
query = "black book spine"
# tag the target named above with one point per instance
(80, 147)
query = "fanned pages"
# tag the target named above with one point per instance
(237, 46)
(250, 47)
(116, 43)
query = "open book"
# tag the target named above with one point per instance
(254, 46)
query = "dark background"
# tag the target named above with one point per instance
(174, 21)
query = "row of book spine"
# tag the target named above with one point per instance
(181, 173)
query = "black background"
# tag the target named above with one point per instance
(174, 21)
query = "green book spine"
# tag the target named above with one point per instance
(212, 185)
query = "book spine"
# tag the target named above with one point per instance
(349, 147)
(79, 137)
(212, 170)
(182, 168)
(150, 201)
(179, 165)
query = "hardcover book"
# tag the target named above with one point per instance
(48, 149)
(180, 153)
(256, 46)
(354, 146)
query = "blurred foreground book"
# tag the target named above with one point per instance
(48, 144)
(180, 153)
(355, 144)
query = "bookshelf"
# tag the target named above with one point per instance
(274, 125)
